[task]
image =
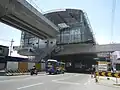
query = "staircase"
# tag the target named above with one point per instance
(45, 53)
(38, 54)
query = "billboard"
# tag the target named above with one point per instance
(103, 54)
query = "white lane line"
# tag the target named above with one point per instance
(62, 78)
(29, 86)
(65, 78)
(86, 83)
(12, 80)
(77, 75)
(89, 80)
(20, 79)
(64, 82)
(8, 80)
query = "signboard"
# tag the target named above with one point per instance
(103, 55)
(102, 67)
(103, 62)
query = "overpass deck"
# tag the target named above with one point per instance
(22, 15)
(88, 48)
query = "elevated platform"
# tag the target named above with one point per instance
(88, 48)
(21, 15)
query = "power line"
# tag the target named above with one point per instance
(36, 6)
(113, 18)
(5, 40)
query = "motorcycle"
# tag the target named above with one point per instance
(33, 71)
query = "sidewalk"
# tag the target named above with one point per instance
(109, 81)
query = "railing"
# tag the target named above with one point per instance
(34, 5)
(89, 25)
(40, 53)
(45, 52)
(34, 8)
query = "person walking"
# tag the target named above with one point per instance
(93, 72)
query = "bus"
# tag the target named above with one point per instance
(62, 67)
(54, 67)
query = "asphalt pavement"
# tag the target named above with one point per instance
(67, 81)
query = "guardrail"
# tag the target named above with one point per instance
(108, 74)
(11, 72)
(113, 77)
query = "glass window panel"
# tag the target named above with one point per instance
(72, 35)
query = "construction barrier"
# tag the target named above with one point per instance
(16, 72)
(108, 74)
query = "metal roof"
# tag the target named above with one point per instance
(68, 16)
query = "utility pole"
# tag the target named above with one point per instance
(11, 46)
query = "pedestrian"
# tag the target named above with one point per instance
(93, 72)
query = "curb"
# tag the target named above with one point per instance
(16, 74)
(117, 84)
(109, 80)
(106, 78)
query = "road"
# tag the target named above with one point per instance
(67, 81)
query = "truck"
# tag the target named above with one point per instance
(115, 60)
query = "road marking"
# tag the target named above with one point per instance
(77, 75)
(20, 79)
(89, 82)
(64, 82)
(29, 86)
(62, 78)
(11, 80)
(86, 83)
(65, 78)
